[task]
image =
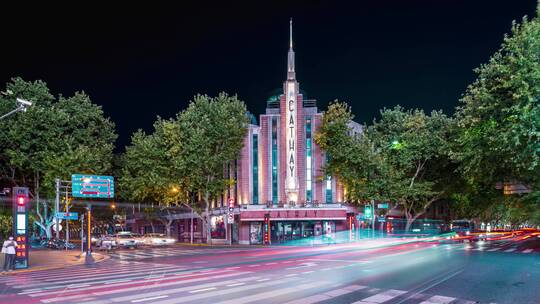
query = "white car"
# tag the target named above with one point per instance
(126, 240)
(106, 241)
(157, 239)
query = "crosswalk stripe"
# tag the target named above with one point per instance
(494, 249)
(438, 300)
(381, 297)
(195, 297)
(528, 250)
(149, 294)
(328, 295)
(148, 299)
(119, 283)
(510, 250)
(273, 293)
(86, 278)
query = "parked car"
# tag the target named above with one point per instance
(157, 239)
(126, 240)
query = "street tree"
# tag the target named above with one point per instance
(52, 139)
(181, 163)
(211, 134)
(416, 149)
(403, 158)
(499, 119)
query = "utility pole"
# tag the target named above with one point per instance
(57, 208)
(67, 222)
(82, 233)
(373, 217)
(89, 231)
(191, 228)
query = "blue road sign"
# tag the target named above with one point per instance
(67, 215)
(92, 186)
(382, 206)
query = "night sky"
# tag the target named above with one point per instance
(143, 60)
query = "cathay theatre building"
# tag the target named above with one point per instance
(280, 192)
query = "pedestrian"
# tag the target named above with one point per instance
(8, 248)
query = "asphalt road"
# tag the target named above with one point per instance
(364, 273)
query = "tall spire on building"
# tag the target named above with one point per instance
(291, 74)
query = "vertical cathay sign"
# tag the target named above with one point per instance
(291, 97)
(291, 135)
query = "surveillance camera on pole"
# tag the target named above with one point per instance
(24, 104)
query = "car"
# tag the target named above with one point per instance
(126, 240)
(106, 241)
(157, 239)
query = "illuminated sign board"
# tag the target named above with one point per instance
(92, 186)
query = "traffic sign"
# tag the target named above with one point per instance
(92, 186)
(359, 217)
(59, 227)
(67, 215)
(382, 206)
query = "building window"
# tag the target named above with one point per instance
(255, 156)
(328, 186)
(329, 189)
(308, 160)
(274, 161)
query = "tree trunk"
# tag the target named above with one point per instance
(207, 219)
(168, 228)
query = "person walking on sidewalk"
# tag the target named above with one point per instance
(9, 250)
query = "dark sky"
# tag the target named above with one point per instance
(143, 60)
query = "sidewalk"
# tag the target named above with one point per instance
(44, 259)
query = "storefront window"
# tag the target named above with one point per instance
(217, 226)
(255, 233)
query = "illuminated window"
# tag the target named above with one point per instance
(308, 160)
(328, 187)
(255, 156)
(274, 161)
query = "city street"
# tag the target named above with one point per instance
(379, 271)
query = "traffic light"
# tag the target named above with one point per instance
(266, 228)
(20, 225)
(21, 200)
(368, 213)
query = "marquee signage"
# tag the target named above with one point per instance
(291, 180)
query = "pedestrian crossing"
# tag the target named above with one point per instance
(503, 248)
(166, 252)
(119, 281)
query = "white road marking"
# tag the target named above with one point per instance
(291, 275)
(306, 272)
(510, 250)
(381, 297)
(528, 250)
(204, 289)
(216, 293)
(150, 286)
(494, 249)
(438, 300)
(273, 293)
(236, 284)
(262, 280)
(148, 299)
